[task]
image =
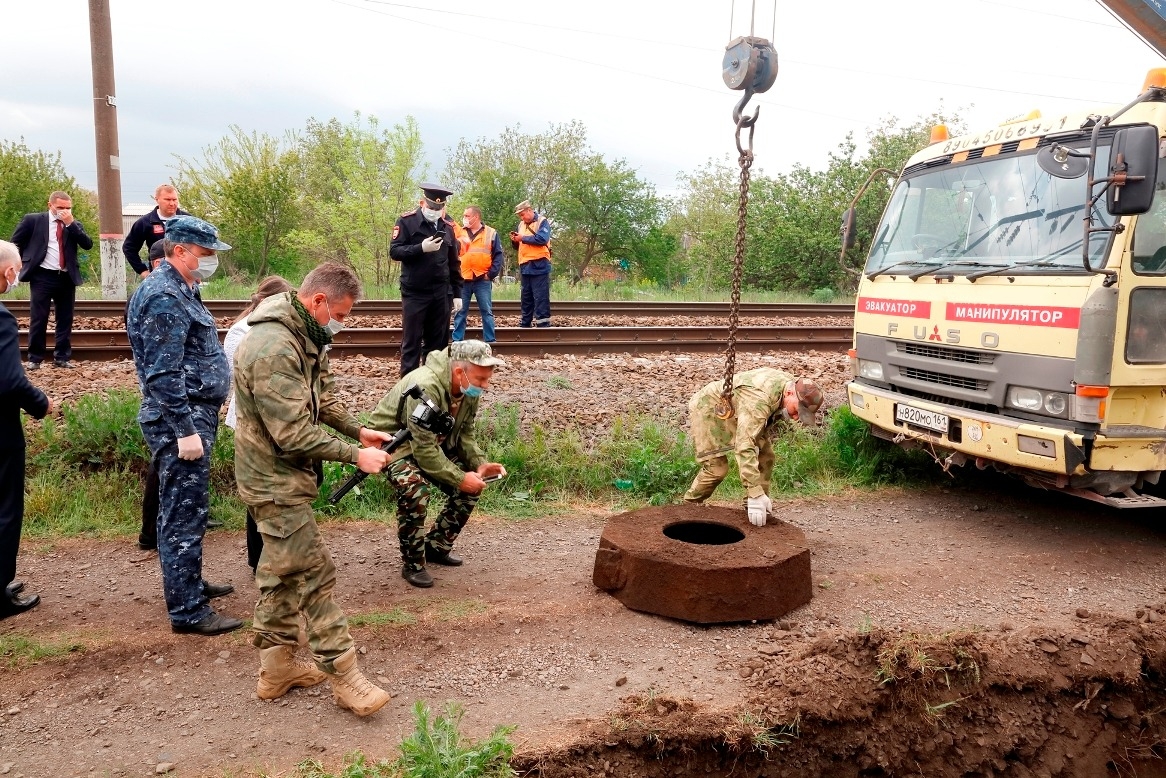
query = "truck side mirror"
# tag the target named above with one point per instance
(1133, 170)
(848, 229)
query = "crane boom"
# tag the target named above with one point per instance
(1147, 18)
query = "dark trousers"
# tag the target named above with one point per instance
(424, 327)
(50, 287)
(148, 537)
(536, 300)
(254, 542)
(183, 510)
(11, 509)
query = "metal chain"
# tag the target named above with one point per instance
(724, 409)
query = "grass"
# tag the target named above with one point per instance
(437, 749)
(17, 650)
(85, 469)
(397, 617)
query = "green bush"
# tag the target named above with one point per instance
(438, 750)
(823, 295)
(97, 432)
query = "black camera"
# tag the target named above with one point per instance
(427, 415)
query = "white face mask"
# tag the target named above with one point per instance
(430, 214)
(332, 326)
(206, 267)
(10, 281)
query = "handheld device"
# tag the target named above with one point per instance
(492, 478)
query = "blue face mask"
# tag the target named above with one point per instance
(469, 390)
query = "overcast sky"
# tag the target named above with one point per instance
(644, 77)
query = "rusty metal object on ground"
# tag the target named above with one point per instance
(703, 564)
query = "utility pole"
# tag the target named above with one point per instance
(113, 268)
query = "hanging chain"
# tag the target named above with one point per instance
(724, 409)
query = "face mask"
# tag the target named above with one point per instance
(469, 390)
(430, 214)
(206, 267)
(466, 223)
(11, 282)
(332, 326)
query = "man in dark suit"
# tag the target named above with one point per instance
(148, 230)
(15, 393)
(48, 243)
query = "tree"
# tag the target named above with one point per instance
(356, 179)
(704, 223)
(498, 174)
(246, 184)
(28, 177)
(607, 211)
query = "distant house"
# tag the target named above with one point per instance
(131, 212)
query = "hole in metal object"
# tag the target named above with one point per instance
(704, 533)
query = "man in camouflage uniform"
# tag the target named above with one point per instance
(184, 377)
(454, 380)
(761, 398)
(284, 393)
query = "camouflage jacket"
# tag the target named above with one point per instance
(283, 392)
(757, 399)
(177, 354)
(438, 458)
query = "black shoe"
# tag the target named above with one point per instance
(446, 558)
(14, 588)
(64, 363)
(32, 365)
(419, 578)
(214, 624)
(146, 545)
(216, 590)
(10, 605)
(213, 524)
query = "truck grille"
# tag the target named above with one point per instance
(949, 354)
(943, 379)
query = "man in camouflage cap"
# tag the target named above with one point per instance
(453, 379)
(761, 398)
(283, 397)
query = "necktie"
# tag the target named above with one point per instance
(61, 243)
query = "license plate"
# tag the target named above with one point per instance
(921, 418)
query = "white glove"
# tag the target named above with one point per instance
(190, 447)
(758, 508)
(430, 245)
(457, 305)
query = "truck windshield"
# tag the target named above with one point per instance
(993, 212)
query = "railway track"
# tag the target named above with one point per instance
(107, 345)
(220, 308)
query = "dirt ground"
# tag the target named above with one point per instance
(982, 628)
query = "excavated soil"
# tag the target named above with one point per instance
(976, 629)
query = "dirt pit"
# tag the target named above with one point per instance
(984, 629)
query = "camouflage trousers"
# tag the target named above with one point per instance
(296, 577)
(714, 468)
(413, 492)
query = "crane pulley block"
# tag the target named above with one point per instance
(750, 63)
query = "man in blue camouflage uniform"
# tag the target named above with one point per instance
(184, 377)
(454, 380)
(762, 399)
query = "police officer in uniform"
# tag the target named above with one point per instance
(431, 278)
(184, 377)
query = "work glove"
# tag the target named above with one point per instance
(457, 305)
(190, 447)
(758, 508)
(429, 245)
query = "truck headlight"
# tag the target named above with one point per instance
(868, 368)
(1037, 400)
